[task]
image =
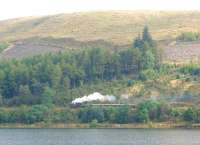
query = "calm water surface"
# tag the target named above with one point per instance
(99, 137)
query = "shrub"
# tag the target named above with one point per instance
(148, 74)
(142, 115)
(188, 115)
(152, 110)
(93, 123)
(192, 69)
(189, 36)
(3, 46)
(88, 114)
(122, 114)
(130, 83)
(35, 114)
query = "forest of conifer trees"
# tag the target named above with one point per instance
(40, 79)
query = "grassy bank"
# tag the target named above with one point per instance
(163, 125)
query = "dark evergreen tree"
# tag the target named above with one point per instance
(146, 36)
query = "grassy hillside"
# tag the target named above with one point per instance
(119, 27)
(112, 30)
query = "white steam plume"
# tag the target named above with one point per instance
(94, 97)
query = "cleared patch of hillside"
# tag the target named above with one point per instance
(119, 27)
(182, 51)
(172, 52)
(36, 46)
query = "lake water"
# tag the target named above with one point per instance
(99, 137)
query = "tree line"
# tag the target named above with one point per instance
(145, 112)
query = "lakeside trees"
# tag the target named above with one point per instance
(148, 111)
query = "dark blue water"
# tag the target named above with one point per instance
(99, 137)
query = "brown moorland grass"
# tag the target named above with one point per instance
(119, 27)
(111, 29)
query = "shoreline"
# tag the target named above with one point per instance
(100, 126)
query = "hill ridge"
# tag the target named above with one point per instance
(119, 27)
